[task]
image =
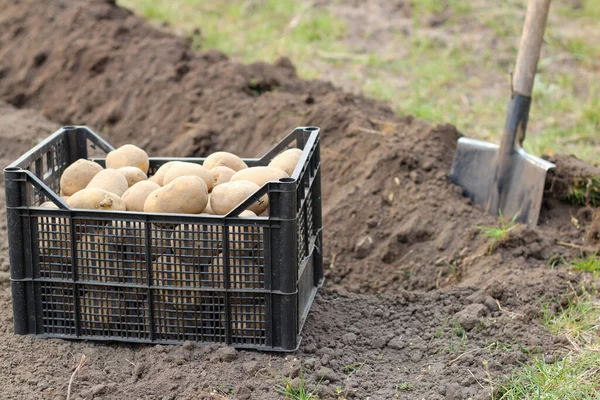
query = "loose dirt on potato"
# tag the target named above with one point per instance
(416, 298)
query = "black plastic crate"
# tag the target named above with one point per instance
(163, 278)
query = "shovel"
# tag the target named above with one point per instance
(505, 179)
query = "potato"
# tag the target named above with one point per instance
(213, 274)
(208, 209)
(243, 238)
(246, 318)
(286, 161)
(133, 175)
(55, 255)
(186, 194)
(246, 273)
(77, 176)
(224, 159)
(196, 245)
(170, 271)
(227, 196)
(49, 204)
(96, 308)
(92, 247)
(259, 175)
(133, 240)
(221, 175)
(54, 245)
(189, 169)
(128, 156)
(111, 180)
(242, 274)
(135, 197)
(159, 175)
(96, 199)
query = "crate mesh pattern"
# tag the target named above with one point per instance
(162, 278)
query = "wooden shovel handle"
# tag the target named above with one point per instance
(531, 44)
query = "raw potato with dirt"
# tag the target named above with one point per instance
(130, 184)
(418, 302)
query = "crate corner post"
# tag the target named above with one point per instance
(284, 259)
(14, 182)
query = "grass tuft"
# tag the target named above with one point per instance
(585, 191)
(578, 320)
(291, 391)
(591, 263)
(575, 377)
(499, 234)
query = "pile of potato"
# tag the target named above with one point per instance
(178, 252)
(214, 188)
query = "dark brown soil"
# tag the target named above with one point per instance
(395, 228)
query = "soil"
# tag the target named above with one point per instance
(407, 267)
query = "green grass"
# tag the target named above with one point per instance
(251, 30)
(589, 9)
(576, 375)
(351, 369)
(585, 191)
(499, 234)
(591, 263)
(292, 392)
(458, 339)
(447, 78)
(578, 320)
(403, 387)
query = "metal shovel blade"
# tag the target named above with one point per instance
(473, 169)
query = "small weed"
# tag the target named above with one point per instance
(332, 263)
(457, 329)
(350, 369)
(406, 273)
(223, 390)
(480, 325)
(591, 263)
(438, 334)
(457, 332)
(501, 233)
(585, 191)
(301, 392)
(554, 260)
(486, 367)
(403, 387)
(499, 346)
(454, 270)
(524, 350)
